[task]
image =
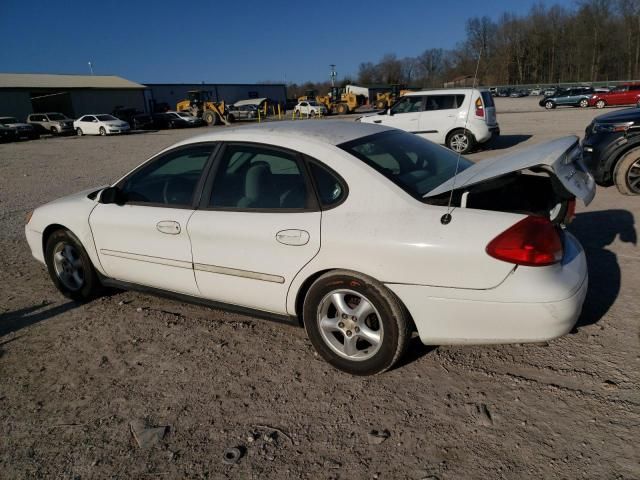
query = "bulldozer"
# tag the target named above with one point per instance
(308, 95)
(386, 99)
(199, 105)
(339, 101)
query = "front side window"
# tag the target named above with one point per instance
(411, 162)
(407, 105)
(254, 177)
(169, 180)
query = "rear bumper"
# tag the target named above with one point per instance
(491, 131)
(531, 305)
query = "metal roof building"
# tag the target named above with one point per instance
(74, 95)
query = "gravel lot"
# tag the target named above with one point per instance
(75, 376)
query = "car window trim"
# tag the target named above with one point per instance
(313, 205)
(199, 185)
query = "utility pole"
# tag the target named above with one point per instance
(333, 75)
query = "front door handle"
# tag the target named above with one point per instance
(168, 226)
(293, 237)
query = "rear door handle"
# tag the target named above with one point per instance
(293, 237)
(170, 227)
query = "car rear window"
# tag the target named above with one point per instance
(414, 164)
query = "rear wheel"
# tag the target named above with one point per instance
(342, 109)
(549, 105)
(601, 104)
(69, 266)
(584, 103)
(381, 104)
(460, 141)
(210, 117)
(355, 323)
(627, 173)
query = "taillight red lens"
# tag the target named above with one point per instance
(479, 108)
(533, 241)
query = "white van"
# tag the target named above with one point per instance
(441, 116)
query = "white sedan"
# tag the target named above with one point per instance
(360, 232)
(100, 124)
(309, 108)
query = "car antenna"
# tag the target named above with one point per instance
(446, 218)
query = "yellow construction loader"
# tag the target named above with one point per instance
(199, 105)
(386, 99)
(339, 101)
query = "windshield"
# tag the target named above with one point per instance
(414, 164)
(8, 120)
(56, 116)
(105, 118)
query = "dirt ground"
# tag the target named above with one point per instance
(73, 377)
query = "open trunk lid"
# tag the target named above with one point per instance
(561, 157)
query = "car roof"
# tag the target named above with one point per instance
(443, 91)
(331, 132)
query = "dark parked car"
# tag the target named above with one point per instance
(7, 134)
(136, 119)
(611, 150)
(570, 97)
(23, 130)
(166, 120)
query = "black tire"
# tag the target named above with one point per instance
(461, 141)
(601, 104)
(211, 118)
(626, 174)
(342, 109)
(54, 131)
(79, 132)
(90, 284)
(549, 105)
(102, 131)
(584, 103)
(390, 319)
(231, 118)
(381, 105)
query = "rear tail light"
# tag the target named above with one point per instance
(533, 241)
(479, 108)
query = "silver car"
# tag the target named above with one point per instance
(53, 122)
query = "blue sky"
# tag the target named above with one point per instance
(223, 41)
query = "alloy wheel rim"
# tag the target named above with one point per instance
(459, 142)
(350, 325)
(68, 266)
(633, 176)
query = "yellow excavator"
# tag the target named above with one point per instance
(386, 99)
(199, 105)
(339, 101)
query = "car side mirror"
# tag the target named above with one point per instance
(389, 112)
(112, 195)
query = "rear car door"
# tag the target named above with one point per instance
(440, 116)
(144, 239)
(257, 226)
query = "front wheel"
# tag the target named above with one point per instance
(79, 132)
(549, 105)
(69, 266)
(584, 103)
(627, 173)
(102, 131)
(600, 104)
(460, 141)
(355, 323)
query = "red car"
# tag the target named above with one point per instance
(625, 94)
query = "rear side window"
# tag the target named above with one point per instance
(444, 102)
(330, 189)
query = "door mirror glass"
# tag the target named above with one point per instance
(112, 195)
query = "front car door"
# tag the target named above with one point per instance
(257, 226)
(89, 125)
(404, 114)
(144, 239)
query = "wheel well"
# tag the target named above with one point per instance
(302, 292)
(47, 233)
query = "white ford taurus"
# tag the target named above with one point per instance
(361, 232)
